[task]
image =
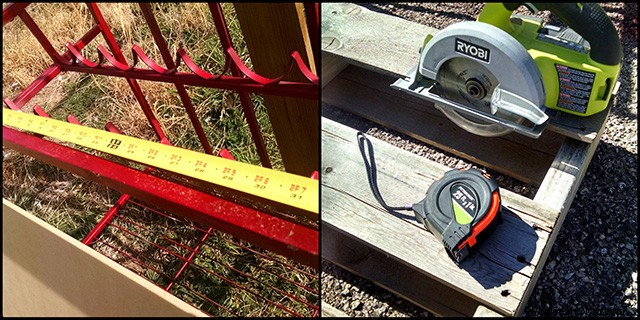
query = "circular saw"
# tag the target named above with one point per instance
(502, 72)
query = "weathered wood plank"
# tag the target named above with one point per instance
(47, 273)
(389, 45)
(367, 94)
(484, 312)
(273, 31)
(561, 184)
(328, 311)
(331, 67)
(348, 206)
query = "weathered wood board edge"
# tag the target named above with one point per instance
(332, 198)
(369, 97)
(560, 187)
(329, 311)
(48, 273)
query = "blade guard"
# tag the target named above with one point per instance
(520, 92)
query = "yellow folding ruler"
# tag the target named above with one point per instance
(282, 187)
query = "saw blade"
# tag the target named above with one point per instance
(469, 83)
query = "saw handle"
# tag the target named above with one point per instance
(591, 22)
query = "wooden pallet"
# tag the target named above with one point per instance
(363, 53)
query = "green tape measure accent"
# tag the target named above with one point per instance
(462, 217)
(282, 187)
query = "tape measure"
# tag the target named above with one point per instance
(282, 187)
(461, 209)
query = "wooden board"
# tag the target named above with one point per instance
(47, 273)
(328, 311)
(390, 46)
(360, 236)
(497, 278)
(368, 94)
(273, 31)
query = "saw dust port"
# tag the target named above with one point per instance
(590, 266)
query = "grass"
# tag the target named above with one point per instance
(75, 205)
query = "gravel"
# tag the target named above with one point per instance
(592, 267)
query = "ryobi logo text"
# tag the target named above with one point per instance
(472, 50)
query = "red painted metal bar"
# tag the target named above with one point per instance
(284, 88)
(42, 38)
(245, 100)
(50, 73)
(168, 60)
(292, 240)
(32, 89)
(39, 111)
(12, 10)
(135, 88)
(105, 219)
(189, 259)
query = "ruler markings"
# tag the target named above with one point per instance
(282, 187)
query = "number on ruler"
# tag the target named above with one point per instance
(175, 159)
(96, 139)
(152, 154)
(297, 191)
(200, 166)
(261, 182)
(228, 173)
(114, 144)
(131, 148)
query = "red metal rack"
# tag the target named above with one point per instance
(209, 219)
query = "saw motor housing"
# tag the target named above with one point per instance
(504, 72)
(578, 74)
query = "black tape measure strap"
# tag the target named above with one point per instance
(370, 166)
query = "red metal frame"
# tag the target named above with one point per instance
(295, 241)
(188, 252)
(292, 240)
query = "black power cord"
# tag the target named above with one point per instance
(370, 165)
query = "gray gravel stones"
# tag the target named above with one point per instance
(592, 267)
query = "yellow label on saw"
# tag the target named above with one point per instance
(282, 187)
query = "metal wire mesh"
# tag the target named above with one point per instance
(211, 270)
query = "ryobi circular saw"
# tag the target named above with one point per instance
(500, 74)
